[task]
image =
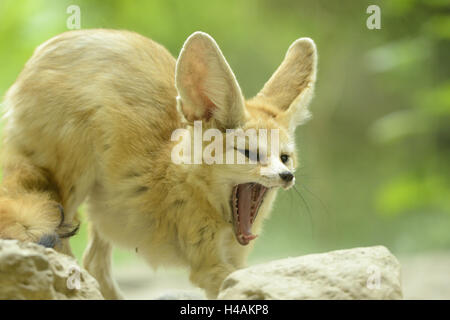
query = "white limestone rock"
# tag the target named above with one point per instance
(360, 273)
(30, 271)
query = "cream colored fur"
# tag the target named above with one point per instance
(90, 119)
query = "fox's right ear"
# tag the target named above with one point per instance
(206, 86)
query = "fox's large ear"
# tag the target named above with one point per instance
(207, 87)
(291, 87)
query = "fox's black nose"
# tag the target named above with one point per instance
(286, 176)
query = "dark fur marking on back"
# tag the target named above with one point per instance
(178, 203)
(202, 230)
(141, 189)
(132, 174)
(28, 152)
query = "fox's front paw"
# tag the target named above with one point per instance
(210, 279)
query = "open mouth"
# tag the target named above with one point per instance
(246, 199)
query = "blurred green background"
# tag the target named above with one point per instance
(374, 159)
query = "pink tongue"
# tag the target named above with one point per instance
(244, 204)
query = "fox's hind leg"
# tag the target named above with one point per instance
(30, 205)
(97, 261)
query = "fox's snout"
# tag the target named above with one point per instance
(286, 176)
(286, 179)
(277, 176)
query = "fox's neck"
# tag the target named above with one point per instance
(200, 180)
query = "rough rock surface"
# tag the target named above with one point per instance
(30, 271)
(360, 273)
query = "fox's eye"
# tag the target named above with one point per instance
(284, 158)
(250, 155)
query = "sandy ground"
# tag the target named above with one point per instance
(425, 276)
(139, 282)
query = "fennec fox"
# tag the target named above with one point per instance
(91, 118)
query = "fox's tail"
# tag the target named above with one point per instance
(30, 205)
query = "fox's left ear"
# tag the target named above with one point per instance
(291, 87)
(206, 86)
